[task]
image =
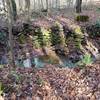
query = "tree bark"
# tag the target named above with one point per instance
(20, 6)
(42, 4)
(27, 7)
(14, 9)
(47, 5)
(78, 6)
(3, 1)
(10, 23)
(27, 4)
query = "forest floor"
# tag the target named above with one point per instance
(50, 82)
(93, 13)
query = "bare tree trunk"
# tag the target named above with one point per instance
(20, 6)
(56, 4)
(14, 9)
(59, 4)
(51, 4)
(27, 7)
(34, 5)
(42, 4)
(3, 1)
(39, 5)
(11, 42)
(47, 5)
(78, 6)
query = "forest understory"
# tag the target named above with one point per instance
(57, 57)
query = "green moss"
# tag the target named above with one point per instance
(82, 18)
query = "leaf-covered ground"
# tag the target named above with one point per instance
(51, 83)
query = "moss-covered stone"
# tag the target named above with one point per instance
(82, 18)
